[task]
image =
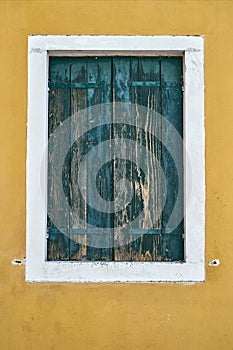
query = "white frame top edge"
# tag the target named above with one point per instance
(37, 268)
(111, 42)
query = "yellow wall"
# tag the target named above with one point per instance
(117, 316)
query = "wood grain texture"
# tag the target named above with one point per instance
(122, 170)
(78, 249)
(146, 248)
(99, 72)
(59, 111)
(172, 110)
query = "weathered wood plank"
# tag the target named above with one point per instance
(147, 69)
(59, 110)
(122, 169)
(99, 72)
(172, 110)
(78, 197)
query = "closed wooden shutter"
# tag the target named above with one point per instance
(76, 83)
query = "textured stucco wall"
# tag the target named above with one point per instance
(117, 316)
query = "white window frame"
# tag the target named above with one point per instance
(37, 268)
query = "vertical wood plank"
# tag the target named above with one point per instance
(59, 110)
(99, 72)
(147, 248)
(122, 170)
(78, 197)
(172, 110)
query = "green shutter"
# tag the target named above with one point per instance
(153, 82)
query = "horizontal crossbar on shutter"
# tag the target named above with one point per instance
(155, 83)
(59, 85)
(98, 231)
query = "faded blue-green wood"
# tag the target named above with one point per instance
(78, 245)
(121, 170)
(155, 83)
(172, 110)
(99, 72)
(59, 111)
(145, 81)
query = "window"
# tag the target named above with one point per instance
(110, 149)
